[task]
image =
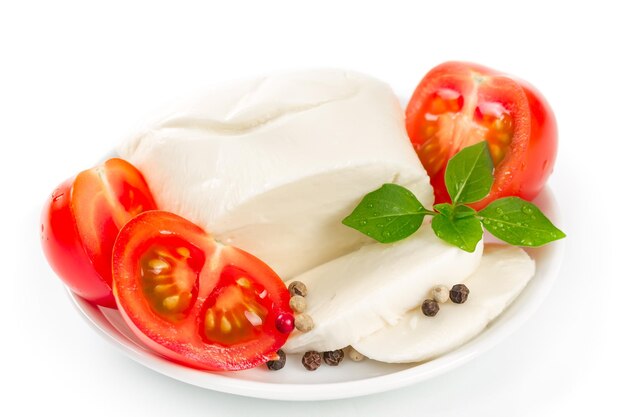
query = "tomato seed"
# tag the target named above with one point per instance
(171, 302)
(184, 252)
(158, 265)
(209, 320)
(243, 282)
(225, 325)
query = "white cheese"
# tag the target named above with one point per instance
(503, 272)
(354, 296)
(273, 165)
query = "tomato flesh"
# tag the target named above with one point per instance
(460, 104)
(194, 300)
(81, 220)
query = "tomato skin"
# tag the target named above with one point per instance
(181, 340)
(80, 222)
(530, 157)
(64, 250)
(543, 142)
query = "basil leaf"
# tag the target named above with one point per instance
(469, 174)
(387, 214)
(464, 211)
(451, 211)
(518, 222)
(463, 232)
(444, 208)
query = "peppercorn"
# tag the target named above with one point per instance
(355, 355)
(304, 323)
(333, 357)
(297, 288)
(284, 323)
(430, 307)
(311, 360)
(297, 303)
(441, 294)
(277, 364)
(459, 293)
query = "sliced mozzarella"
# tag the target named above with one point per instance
(359, 293)
(503, 272)
(273, 165)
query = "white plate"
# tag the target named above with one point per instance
(350, 379)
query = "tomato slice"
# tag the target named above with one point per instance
(194, 300)
(81, 220)
(459, 104)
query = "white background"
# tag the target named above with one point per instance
(75, 78)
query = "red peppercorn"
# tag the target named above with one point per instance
(285, 322)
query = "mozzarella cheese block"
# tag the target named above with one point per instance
(273, 165)
(503, 273)
(354, 296)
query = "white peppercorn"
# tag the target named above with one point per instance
(441, 294)
(297, 288)
(304, 323)
(297, 303)
(354, 355)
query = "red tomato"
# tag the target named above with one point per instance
(459, 104)
(81, 220)
(194, 300)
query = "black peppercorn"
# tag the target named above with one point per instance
(333, 357)
(297, 288)
(430, 308)
(277, 364)
(311, 360)
(459, 293)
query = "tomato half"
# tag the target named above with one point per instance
(80, 222)
(459, 104)
(194, 300)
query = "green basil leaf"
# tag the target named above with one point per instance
(464, 232)
(464, 211)
(444, 208)
(518, 222)
(388, 214)
(469, 174)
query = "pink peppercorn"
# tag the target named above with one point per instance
(285, 322)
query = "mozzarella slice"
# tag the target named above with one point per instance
(273, 165)
(362, 292)
(503, 273)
